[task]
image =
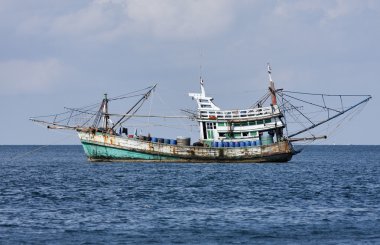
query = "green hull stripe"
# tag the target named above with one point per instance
(94, 151)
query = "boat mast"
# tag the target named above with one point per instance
(105, 112)
(271, 86)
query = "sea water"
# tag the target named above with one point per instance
(325, 195)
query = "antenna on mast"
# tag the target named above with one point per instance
(269, 72)
(200, 76)
(200, 64)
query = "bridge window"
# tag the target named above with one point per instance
(253, 133)
(211, 125)
(237, 135)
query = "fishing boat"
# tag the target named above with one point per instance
(258, 133)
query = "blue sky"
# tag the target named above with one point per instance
(68, 53)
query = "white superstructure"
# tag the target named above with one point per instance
(236, 125)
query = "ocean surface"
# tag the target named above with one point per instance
(325, 195)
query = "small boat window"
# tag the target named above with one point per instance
(253, 133)
(211, 125)
(237, 135)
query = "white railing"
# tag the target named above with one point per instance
(238, 114)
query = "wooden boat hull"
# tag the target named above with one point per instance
(105, 147)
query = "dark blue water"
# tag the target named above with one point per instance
(325, 195)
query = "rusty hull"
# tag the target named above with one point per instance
(106, 147)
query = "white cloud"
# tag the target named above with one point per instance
(23, 76)
(167, 19)
(327, 9)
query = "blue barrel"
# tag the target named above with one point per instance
(160, 140)
(258, 142)
(249, 143)
(232, 144)
(173, 142)
(242, 144)
(253, 143)
(213, 144)
(154, 139)
(226, 144)
(167, 141)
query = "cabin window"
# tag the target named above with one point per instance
(268, 120)
(205, 106)
(210, 134)
(221, 124)
(211, 125)
(244, 123)
(253, 133)
(259, 122)
(237, 135)
(245, 134)
(201, 100)
(222, 134)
